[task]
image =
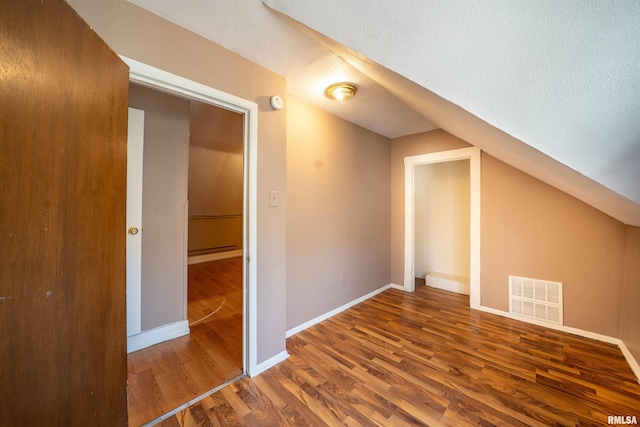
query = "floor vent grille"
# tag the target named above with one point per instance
(536, 299)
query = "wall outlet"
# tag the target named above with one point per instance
(274, 198)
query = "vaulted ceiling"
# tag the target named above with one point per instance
(550, 87)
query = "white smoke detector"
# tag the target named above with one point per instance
(276, 102)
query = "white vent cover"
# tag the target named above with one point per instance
(536, 299)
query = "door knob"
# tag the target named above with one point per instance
(133, 231)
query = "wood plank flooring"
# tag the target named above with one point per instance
(402, 359)
(164, 376)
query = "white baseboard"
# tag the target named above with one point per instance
(562, 328)
(398, 287)
(332, 313)
(157, 335)
(216, 256)
(447, 283)
(633, 364)
(269, 363)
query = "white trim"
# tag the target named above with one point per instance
(447, 283)
(473, 154)
(394, 286)
(164, 81)
(270, 363)
(630, 360)
(562, 328)
(633, 364)
(146, 75)
(191, 402)
(409, 226)
(185, 259)
(217, 256)
(135, 150)
(157, 335)
(332, 313)
(250, 233)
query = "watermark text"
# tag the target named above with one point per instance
(622, 419)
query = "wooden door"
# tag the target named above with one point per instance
(63, 133)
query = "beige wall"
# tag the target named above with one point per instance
(630, 316)
(215, 182)
(588, 245)
(442, 219)
(412, 145)
(140, 35)
(216, 188)
(337, 212)
(531, 229)
(164, 195)
(216, 161)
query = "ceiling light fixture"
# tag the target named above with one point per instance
(341, 91)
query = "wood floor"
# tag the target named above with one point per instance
(402, 359)
(164, 376)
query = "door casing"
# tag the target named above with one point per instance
(410, 162)
(146, 75)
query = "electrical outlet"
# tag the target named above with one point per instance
(274, 198)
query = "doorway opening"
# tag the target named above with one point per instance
(413, 165)
(441, 231)
(231, 260)
(215, 235)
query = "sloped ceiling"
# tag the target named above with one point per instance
(551, 87)
(215, 128)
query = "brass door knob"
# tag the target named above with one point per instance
(133, 231)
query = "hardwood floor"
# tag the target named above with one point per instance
(164, 376)
(402, 359)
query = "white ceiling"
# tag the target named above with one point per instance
(551, 87)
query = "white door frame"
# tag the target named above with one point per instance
(410, 162)
(146, 75)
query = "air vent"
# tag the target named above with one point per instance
(536, 299)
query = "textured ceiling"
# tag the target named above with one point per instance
(254, 31)
(552, 87)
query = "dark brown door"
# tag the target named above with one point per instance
(63, 115)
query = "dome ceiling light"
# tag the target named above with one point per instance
(341, 91)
